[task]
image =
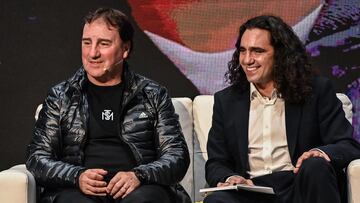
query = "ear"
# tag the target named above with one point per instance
(126, 49)
(125, 54)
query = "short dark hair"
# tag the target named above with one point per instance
(292, 71)
(116, 19)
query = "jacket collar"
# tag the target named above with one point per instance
(132, 81)
(79, 79)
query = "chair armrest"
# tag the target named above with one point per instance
(17, 185)
(353, 174)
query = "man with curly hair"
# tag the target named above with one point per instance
(279, 124)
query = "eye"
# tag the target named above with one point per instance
(85, 42)
(104, 43)
(242, 50)
(258, 51)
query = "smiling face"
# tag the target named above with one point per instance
(257, 58)
(103, 53)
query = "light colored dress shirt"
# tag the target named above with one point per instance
(268, 148)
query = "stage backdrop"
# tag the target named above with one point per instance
(183, 44)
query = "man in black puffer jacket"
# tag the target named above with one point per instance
(108, 134)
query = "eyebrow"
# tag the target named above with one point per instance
(99, 40)
(104, 40)
(252, 48)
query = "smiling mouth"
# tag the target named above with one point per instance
(95, 62)
(253, 68)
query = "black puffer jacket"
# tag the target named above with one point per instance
(56, 152)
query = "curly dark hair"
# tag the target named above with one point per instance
(116, 19)
(292, 72)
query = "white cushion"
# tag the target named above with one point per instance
(183, 107)
(353, 175)
(202, 111)
(17, 185)
(347, 106)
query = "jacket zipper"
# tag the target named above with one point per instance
(135, 152)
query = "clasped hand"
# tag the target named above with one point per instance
(91, 182)
(234, 180)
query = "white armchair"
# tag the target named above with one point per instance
(202, 112)
(17, 185)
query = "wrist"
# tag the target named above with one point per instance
(77, 178)
(140, 175)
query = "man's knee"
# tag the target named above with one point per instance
(74, 196)
(135, 198)
(221, 197)
(147, 194)
(316, 182)
(214, 197)
(316, 168)
(313, 163)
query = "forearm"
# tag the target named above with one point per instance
(44, 151)
(173, 157)
(50, 173)
(216, 171)
(335, 130)
(342, 152)
(168, 169)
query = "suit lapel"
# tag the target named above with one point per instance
(241, 107)
(293, 114)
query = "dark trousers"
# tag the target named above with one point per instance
(316, 182)
(143, 194)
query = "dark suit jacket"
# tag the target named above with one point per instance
(318, 123)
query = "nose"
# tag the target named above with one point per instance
(94, 51)
(246, 58)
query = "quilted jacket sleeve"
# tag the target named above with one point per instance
(173, 155)
(43, 158)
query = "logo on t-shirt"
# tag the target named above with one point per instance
(107, 115)
(143, 115)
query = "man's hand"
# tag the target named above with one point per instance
(91, 182)
(122, 184)
(234, 180)
(308, 154)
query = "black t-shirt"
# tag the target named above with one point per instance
(105, 147)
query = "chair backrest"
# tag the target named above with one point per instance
(202, 111)
(183, 107)
(347, 106)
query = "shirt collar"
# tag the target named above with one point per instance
(254, 93)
